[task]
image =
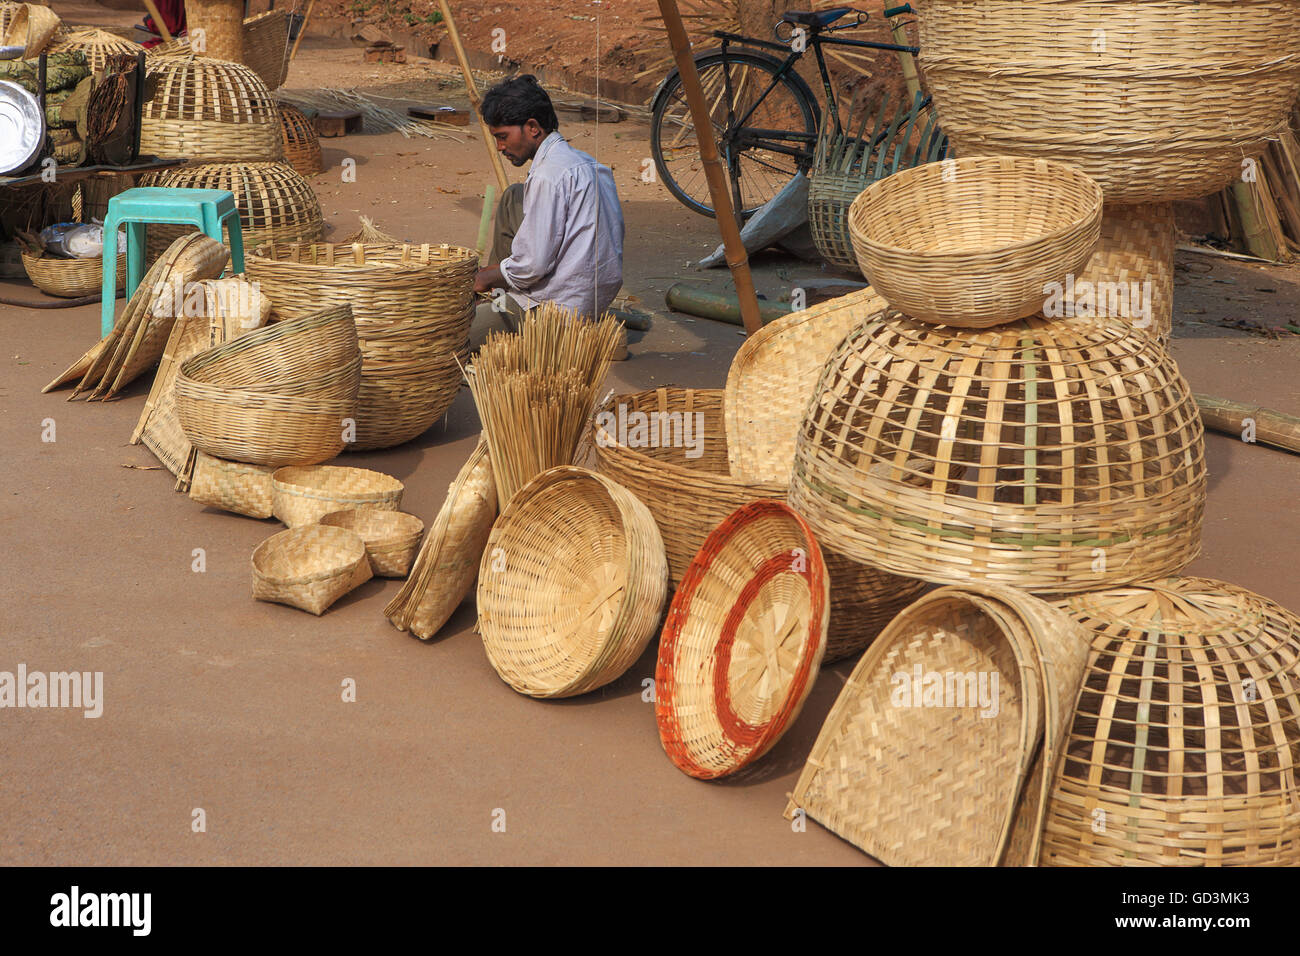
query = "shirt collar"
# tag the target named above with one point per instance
(551, 139)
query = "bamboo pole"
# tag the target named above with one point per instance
(1271, 427)
(485, 224)
(907, 61)
(302, 30)
(474, 100)
(737, 258)
(158, 21)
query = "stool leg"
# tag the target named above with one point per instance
(236, 245)
(135, 239)
(108, 284)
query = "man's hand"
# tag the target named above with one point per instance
(489, 278)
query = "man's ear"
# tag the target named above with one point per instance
(534, 128)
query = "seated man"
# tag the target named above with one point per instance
(559, 235)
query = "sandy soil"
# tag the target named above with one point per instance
(218, 702)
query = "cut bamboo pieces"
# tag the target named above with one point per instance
(1250, 423)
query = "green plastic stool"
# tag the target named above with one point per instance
(135, 209)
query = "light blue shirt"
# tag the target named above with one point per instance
(569, 247)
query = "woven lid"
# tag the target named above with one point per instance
(1186, 737)
(743, 641)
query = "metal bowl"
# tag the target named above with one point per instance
(22, 127)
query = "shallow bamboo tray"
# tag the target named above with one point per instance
(975, 242)
(743, 641)
(1155, 99)
(689, 497)
(1186, 736)
(940, 747)
(1061, 455)
(391, 537)
(309, 568)
(303, 495)
(572, 584)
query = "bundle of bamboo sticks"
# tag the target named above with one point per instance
(535, 391)
(1260, 212)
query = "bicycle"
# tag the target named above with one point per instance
(764, 139)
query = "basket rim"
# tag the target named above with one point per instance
(274, 260)
(900, 180)
(311, 491)
(279, 540)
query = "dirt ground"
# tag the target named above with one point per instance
(215, 701)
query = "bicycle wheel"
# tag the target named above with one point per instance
(758, 173)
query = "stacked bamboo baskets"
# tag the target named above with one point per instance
(413, 306)
(275, 203)
(219, 111)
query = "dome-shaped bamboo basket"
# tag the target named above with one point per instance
(413, 307)
(743, 641)
(690, 491)
(98, 45)
(1062, 455)
(309, 568)
(302, 495)
(1155, 99)
(772, 377)
(275, 203)
(1185, 746)
(209, 110)
(572, 584)
(975, 242)
(301, 144)
(939, 749)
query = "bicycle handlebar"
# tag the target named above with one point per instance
(892, 12)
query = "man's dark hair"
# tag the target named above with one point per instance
(514, 101)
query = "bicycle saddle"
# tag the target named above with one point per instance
(816, 18)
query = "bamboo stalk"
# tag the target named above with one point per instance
(302, 30)
(1271, 427)
(474, 100)
(159, 22)
(1254, 229)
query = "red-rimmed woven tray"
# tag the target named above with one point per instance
(757, 594)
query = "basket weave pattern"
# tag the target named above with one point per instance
(232, 486)
(391, 537)
(309, 568)
(1136, 247)
(1055, 456)
(301, 144)
(302, 495)
(70, 278)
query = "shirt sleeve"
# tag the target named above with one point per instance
(535, 250)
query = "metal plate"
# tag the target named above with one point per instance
(22, 127)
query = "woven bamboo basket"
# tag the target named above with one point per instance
(1155, 99)
(975, 242)
(391, 537)
(743, 641)
(571, 585)
(448, 561)
(304, 495)
(209, 109)
(232, 486)
(413, 306)
(1186, 737)
(301, 144)
(1062, 455)
(281, 354)
(774, 375)
(32, 26)
(309, 568)
(939, 749)
(690, 496)
(98, 45)
(1131, 275)
(275, 203)
(266, 46)
(220, 23)
(70, 278)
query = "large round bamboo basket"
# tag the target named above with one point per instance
(1155, 99)
(210, 110)
(572, 584)
(690, 491)
(1186, 737)
(1061, 455)
(940, 747)
(275, 203)
(413, 306)
(743, 641)
(975, 242)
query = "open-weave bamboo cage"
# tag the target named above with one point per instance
(97, 44)
(275, 203)
(773, 376)
(1185, 747)
(1131, 275)
(940, 747)
(413, 305)
(743, 641)
(301, 144)
(572, 584)
(210, 110)
(1155, 99)
(1061, 455)
(680, 471)
(975, 242)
